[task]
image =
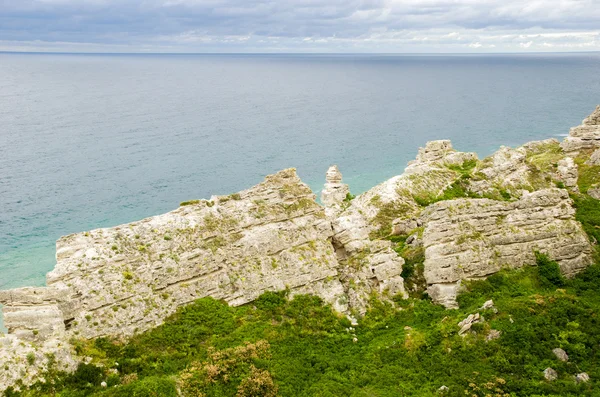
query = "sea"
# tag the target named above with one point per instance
(97, 140)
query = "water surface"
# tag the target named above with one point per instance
(89, 141)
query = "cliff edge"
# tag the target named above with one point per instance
(449, 217)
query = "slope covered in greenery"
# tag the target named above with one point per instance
(299, 347)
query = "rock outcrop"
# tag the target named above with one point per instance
(334, 192)
(126, 279)
(584, 136)
(473, 238)
(567, 173)
(459, 217)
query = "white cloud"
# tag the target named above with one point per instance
(304, 25)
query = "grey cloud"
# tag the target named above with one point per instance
(326, 24)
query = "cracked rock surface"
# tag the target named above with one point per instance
(469, 218)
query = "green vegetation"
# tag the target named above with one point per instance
(545, 157)
(587, 211)
(347, 200)
(300, 347)
(190, 202)
(589, 175)
(349, 197)
(460, 187)
(387, 213)
(466, 168)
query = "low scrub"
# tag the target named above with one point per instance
(278, 346)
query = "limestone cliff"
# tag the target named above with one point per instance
(473, 238)
(454, 215)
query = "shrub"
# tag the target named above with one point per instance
(587, 211)
(86, 375)
(549, 271)
(190, 202)
(147, 387)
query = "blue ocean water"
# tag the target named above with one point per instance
(89, 141)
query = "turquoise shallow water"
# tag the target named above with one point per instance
(89, 141)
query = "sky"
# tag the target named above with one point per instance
(322, 26)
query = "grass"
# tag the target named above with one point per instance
(300, 347)
(386, 214)
(546, 157)
(589, 176)
(458, 189)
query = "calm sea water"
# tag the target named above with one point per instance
(89, 141)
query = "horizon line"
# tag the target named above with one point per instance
(295, 53)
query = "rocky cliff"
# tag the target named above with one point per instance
(449, 217)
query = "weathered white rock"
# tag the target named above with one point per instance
(437, 154)
(584, 136)
(473, 238)
(488, 305)
(25, 361)
(122, 280)
(516, 170)
(560, 354)
(492, 335)
(402, 226)
(594, 192)
(466, 324)
(567, 173)
(550, 374)
(582, 378)
(594, 158)
(334, 192)
(126, 279)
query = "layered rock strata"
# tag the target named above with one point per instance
(468, 218)
(473, 238)
(584, 136)
(127, 279)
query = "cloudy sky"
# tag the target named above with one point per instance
(407, 26)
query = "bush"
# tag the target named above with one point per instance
(86, 375)
(587, 211)
(549, 271)
(300, 347)
(147, 387)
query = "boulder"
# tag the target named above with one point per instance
(401, 226)
(582, 378)
(594, 192)
(550, 374)
(560, 354)
(493, 334)
(466, 324)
